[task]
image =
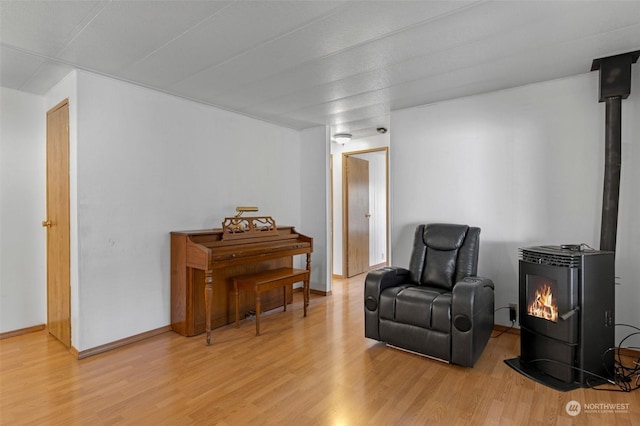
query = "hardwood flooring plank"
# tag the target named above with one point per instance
(318, 370)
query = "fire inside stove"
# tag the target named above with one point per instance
(542, 298)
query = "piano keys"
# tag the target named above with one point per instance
(198, 256)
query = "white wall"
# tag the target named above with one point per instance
(148, 164)
(337, 150)
(23, 291)
(142, 164)
(526, 165)
(314, 202)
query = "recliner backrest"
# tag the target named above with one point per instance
(443, 254)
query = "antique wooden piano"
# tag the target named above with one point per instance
(242, 246)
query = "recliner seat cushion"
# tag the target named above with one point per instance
(421, 306)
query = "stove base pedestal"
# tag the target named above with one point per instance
(540, 376)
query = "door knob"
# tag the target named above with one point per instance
(367, 215)
(46, 223)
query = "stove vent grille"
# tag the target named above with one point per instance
(550, 257)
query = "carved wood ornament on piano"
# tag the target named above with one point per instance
(203, 264)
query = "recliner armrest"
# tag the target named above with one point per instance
(375, 282)
(382, 278)
(472, 310)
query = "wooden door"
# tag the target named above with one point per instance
(357, 214)
(57, 224)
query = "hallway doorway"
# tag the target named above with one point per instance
(360, 211)
(57, 224)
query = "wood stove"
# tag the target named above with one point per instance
(566, 312)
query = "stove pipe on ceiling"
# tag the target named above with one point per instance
(615, 85)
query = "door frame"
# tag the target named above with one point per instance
(345, 254)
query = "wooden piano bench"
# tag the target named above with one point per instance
(260, 282)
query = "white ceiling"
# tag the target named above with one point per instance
(306, 63)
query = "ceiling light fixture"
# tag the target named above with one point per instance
(342, 138)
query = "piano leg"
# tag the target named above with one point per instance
(208, 301)
(237, 294)
(257, 293)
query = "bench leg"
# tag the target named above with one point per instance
(306, 287)
(305, 296)
(284, 298)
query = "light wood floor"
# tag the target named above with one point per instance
(319, 371)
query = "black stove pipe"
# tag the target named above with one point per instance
(612, 166)
(615, 85)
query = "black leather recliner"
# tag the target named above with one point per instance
(438, 307)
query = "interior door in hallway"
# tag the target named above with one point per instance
(357, 214)
(57, 224)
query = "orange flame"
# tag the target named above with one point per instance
(543, 305)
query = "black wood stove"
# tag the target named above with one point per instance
(566, 312)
